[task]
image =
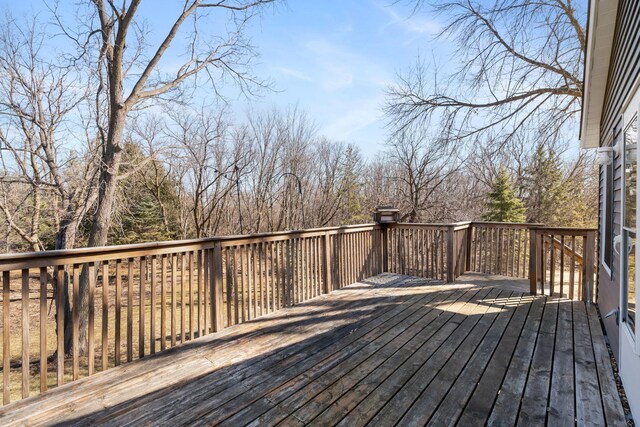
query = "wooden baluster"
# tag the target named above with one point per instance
(442, 250)
(270, 278)
(191, 296)
(246, 267)
(309, 267)
(25, 331)
(313, 267)
(304, 271)
(513, 251)
(561, 266)
(544, 261)
(208, 293)
(118, 319)
(254, 273)
(174, 288)
(163, 302)
(287, 272)
(142, 309)
(241, 285)
(282, 274)
(183, 303)
(572, 272)
(202, 277)
(211, 306)
(525, 265)
(60, 298)
(261, 281)
(6, 337)
(491, 251)
(216, 298)
(152, 311)
(91, 326)
(228, 252)
(553, 266)
(105, 315)
(518, 237)
(130, 275)
(486, 249)
(43, 327)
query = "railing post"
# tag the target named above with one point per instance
(588, 260)
(533, 263)
(327, 272)
(215, 275)
(451, 250)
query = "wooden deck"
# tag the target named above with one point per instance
(393, 349)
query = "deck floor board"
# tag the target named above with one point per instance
(388, 350)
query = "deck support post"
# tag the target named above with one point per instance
(588, 267)
(215, 274)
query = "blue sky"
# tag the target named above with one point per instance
(334, 59)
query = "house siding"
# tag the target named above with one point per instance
(624, 70)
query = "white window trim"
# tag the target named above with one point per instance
(631, 107)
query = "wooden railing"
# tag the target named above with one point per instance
(563, 262)
(437, 251)
(557, 261)
(500, 248)
(145, 298)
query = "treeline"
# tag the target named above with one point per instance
(198, 174)
(99, 144)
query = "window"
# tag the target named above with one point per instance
(630, 220)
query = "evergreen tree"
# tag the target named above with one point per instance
(546, 189)
(351, 171)
(504, 205)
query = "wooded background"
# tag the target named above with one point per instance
(98, 146)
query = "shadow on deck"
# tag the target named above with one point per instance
(391, 349)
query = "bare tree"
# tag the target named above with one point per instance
(420, 165)
(38, 99)
(225, 55)
(520, 63)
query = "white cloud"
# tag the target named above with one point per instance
(412, 23)
(354, 117)
(337, 68)
(293, 73)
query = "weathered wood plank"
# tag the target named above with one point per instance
(454, 332)
(608, 389)
(562, 398)
(164, 367)
(347, 355)
(349, 404)
(533, 411)
(505, 412)
(589, 411)
(479, 406)
(454, 402)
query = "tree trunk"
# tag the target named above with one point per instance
(108, 183)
